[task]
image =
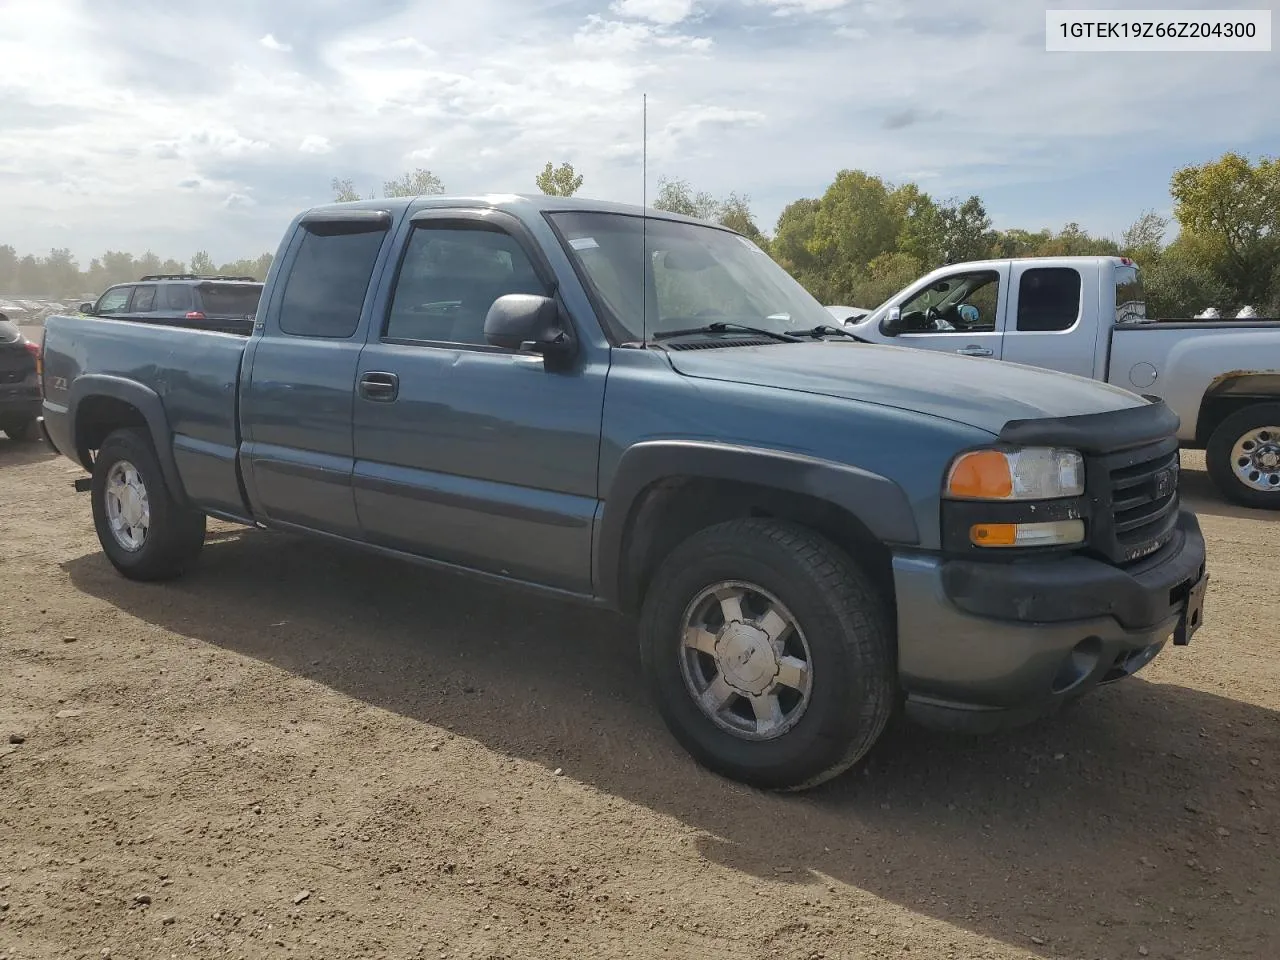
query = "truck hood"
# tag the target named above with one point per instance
(979, 393)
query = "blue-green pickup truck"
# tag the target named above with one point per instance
(644, 411)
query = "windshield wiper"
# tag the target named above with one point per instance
(826, 330)
(725, 326)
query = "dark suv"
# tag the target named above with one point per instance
(183, 299)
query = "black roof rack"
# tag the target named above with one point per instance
(193, 276)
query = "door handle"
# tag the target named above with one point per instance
(973, 350)
(380, 387)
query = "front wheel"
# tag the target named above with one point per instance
(769, 653)
(1243, 456)
(145, 531)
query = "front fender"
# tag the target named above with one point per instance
(142, 398)
(876, 501)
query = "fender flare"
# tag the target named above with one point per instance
(877, 502)
(146, 401)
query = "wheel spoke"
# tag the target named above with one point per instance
(717, 696)
(768, 713)
(775, 626)
(730, 605)
(701, 640)
(793, 672)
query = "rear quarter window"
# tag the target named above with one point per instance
(229, 300)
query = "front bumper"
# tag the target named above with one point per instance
(986, 645)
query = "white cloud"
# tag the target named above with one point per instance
(666, 12)
(104, 145)
(789, 7)
(314, 143)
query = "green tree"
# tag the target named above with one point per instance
(1144, 240)
(1229, 212)
(561, 181)
(675, 195)
(344, 191)
(964, 232)
(202, 264)
(419, 183)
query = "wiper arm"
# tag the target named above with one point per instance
(725, 326)
(827, 330)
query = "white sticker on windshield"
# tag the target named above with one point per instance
(749, 245)
(583, 243)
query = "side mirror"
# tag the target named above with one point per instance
(86, 308)
(522, 321)
(892, 324)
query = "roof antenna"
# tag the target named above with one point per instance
(644, 220)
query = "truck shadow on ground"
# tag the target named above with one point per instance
(1148, 815)
(1201, 496)
(22, 453)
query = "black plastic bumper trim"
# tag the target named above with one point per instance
(1082, 588)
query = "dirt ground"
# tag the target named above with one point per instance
(301, 751)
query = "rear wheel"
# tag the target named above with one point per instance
(1243, 456)
(146, 533)
(19, 428)
(769, 653)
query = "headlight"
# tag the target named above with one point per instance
(1033, 473)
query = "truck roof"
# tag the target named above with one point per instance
(515, 203)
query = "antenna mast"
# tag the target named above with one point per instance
(644, 219)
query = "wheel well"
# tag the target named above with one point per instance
(670, 511)
(98, 417)
(1230, 396)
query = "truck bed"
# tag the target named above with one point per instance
(194, 374)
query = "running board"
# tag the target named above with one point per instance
(83, 484)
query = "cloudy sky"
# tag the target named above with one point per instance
(170, 125)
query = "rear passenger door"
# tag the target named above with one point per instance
(295, 410)
(1052, 324)
(143, 303)
(467, 453)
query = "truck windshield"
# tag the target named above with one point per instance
(1131, 300)
(230, 300)
(695, 275)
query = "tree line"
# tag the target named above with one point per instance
(864, 238)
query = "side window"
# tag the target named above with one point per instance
(960, 303)
(177, 296)
(449, 279)
(1048, 299)
(114, 301)
(144, 299)
(328, 281)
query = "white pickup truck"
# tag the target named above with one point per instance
(1087, 316)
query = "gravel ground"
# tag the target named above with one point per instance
(302, 751)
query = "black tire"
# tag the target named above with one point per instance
(19, 428)
(1218, 459)
(851, 648)
(175, 533)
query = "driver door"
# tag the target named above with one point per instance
(939, 317)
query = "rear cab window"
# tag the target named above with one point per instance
(329, 278)
(1131, 299)
(1049, 300)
